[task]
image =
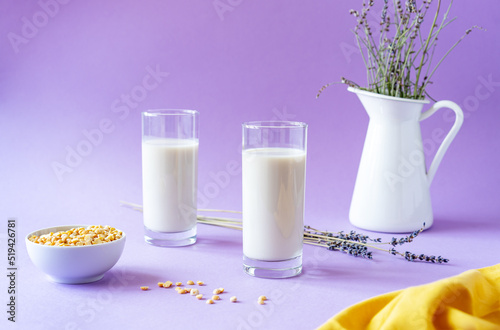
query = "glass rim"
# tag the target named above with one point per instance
(169, 112)
(274, 124)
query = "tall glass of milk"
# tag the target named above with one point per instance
(274, 172)
(170, 176)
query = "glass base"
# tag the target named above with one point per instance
(273, 269)
(177, 239)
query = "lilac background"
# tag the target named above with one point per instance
(261, 60)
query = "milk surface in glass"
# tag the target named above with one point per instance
(273, 203)
(169, 183)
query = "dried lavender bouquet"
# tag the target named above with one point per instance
(351, 243)
(397, 41)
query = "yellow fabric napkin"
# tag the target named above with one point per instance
(470, 300)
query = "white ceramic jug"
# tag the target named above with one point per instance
(391, 193)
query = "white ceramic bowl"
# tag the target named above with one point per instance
(74, 264)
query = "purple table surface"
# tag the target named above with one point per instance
(75, 77)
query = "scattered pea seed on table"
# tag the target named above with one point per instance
(196, 292)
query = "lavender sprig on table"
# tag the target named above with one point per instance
(358, 245)
(351, 243)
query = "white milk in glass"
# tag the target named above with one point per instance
(273, 203)
(169, 175)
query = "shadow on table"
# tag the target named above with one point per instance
(320, 264)
(218, 243)
(462, 225)
(127, 278)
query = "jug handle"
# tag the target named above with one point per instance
(459, 119)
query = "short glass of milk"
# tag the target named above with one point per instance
(274, 173)
(170, 176)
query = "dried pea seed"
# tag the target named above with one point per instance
(86, 236)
